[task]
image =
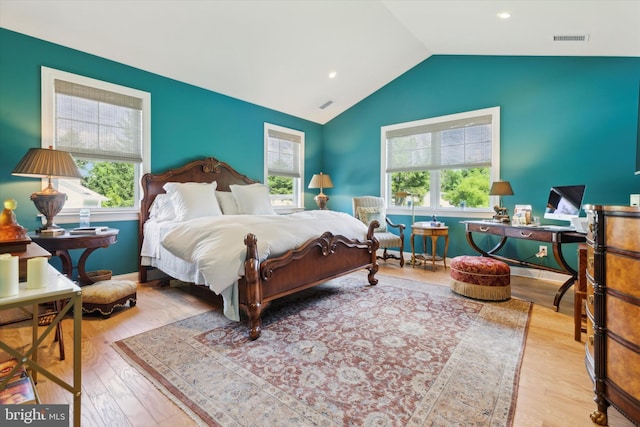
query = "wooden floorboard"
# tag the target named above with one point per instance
(554, 389)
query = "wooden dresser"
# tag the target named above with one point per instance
(613, 309)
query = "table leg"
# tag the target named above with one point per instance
(434, 246)
(446, 246)
(413, 252)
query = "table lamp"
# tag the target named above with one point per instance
(48, 163)
(321, 181)
(500, 188)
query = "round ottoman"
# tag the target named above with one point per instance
(480, 278)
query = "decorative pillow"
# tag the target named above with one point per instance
(227, 202)
(193, 199)
(162, 208)
(252, 199)
(368, 214)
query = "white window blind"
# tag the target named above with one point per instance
(283, 153)
(451, 144)
(97, 124)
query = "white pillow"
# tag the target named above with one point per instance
(193, 199)
(252, 199)
(162, 208)
(227, 202)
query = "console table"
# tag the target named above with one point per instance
(61, 244)
(557, 236)
(58, 288)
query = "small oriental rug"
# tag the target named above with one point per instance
(402, 353)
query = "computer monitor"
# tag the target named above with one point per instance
(564, 202)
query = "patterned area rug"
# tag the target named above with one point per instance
(402, 353)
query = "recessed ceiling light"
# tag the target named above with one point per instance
(332, 74)
(504, 15)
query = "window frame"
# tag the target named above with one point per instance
(385, 185)
(298, 183)
(48, 77)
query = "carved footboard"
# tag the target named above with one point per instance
(317, 261)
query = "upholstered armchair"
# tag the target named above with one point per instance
(369, 208)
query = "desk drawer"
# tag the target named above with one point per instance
(530, 234)
(486, 228)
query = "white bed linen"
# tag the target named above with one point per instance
(215, 245)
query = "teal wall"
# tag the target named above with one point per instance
(187, 123)
(564, 120)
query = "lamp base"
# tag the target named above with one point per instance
(321, 199)
(49, 204)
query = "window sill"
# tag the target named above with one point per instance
(97, 215)
(443, 213)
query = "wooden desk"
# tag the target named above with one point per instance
(425, 230)
(60, 246)
(554, 235)
(59, 287)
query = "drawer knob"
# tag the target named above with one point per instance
(590, 299)
(590, 262)
(590, 339)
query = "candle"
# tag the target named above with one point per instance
(37, 273)
(8, 275)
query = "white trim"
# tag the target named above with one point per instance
(495, 164)
(297, 188)
(48, 77)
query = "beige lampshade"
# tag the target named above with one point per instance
(321, 181)
(501, 188)
(47, 163)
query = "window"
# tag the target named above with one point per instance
(284, 166)
(106, 127)
(443, 164)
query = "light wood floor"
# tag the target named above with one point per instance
(554, 388)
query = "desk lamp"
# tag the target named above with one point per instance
(48, 163)
(500, 188)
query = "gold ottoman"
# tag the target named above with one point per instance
(480, 278)
(106, 295)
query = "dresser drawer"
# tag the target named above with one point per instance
(590, 261)
(623, 232)
(622, 318)
(528, 233)
(623, 273)
(623, 368)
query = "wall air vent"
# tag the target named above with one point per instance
(571, 38)
(326, 104)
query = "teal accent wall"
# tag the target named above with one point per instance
(564, 120)
(188, 123)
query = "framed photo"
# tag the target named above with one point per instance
(522, 214)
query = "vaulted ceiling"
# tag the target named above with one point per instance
(279, 53)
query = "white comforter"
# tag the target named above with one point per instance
(216, 244)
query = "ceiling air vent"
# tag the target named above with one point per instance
(326, 104)
(571, 38)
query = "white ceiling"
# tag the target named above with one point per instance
(278, 53)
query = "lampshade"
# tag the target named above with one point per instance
(501, 188)
(48, 163)
(321, 181)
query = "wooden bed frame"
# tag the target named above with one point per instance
(315, 262)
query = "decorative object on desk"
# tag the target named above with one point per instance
(321, 181)
(48, 163)
(37, 272)
(522, 215)
(13, 237)
(501, 188)
(8, 275)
